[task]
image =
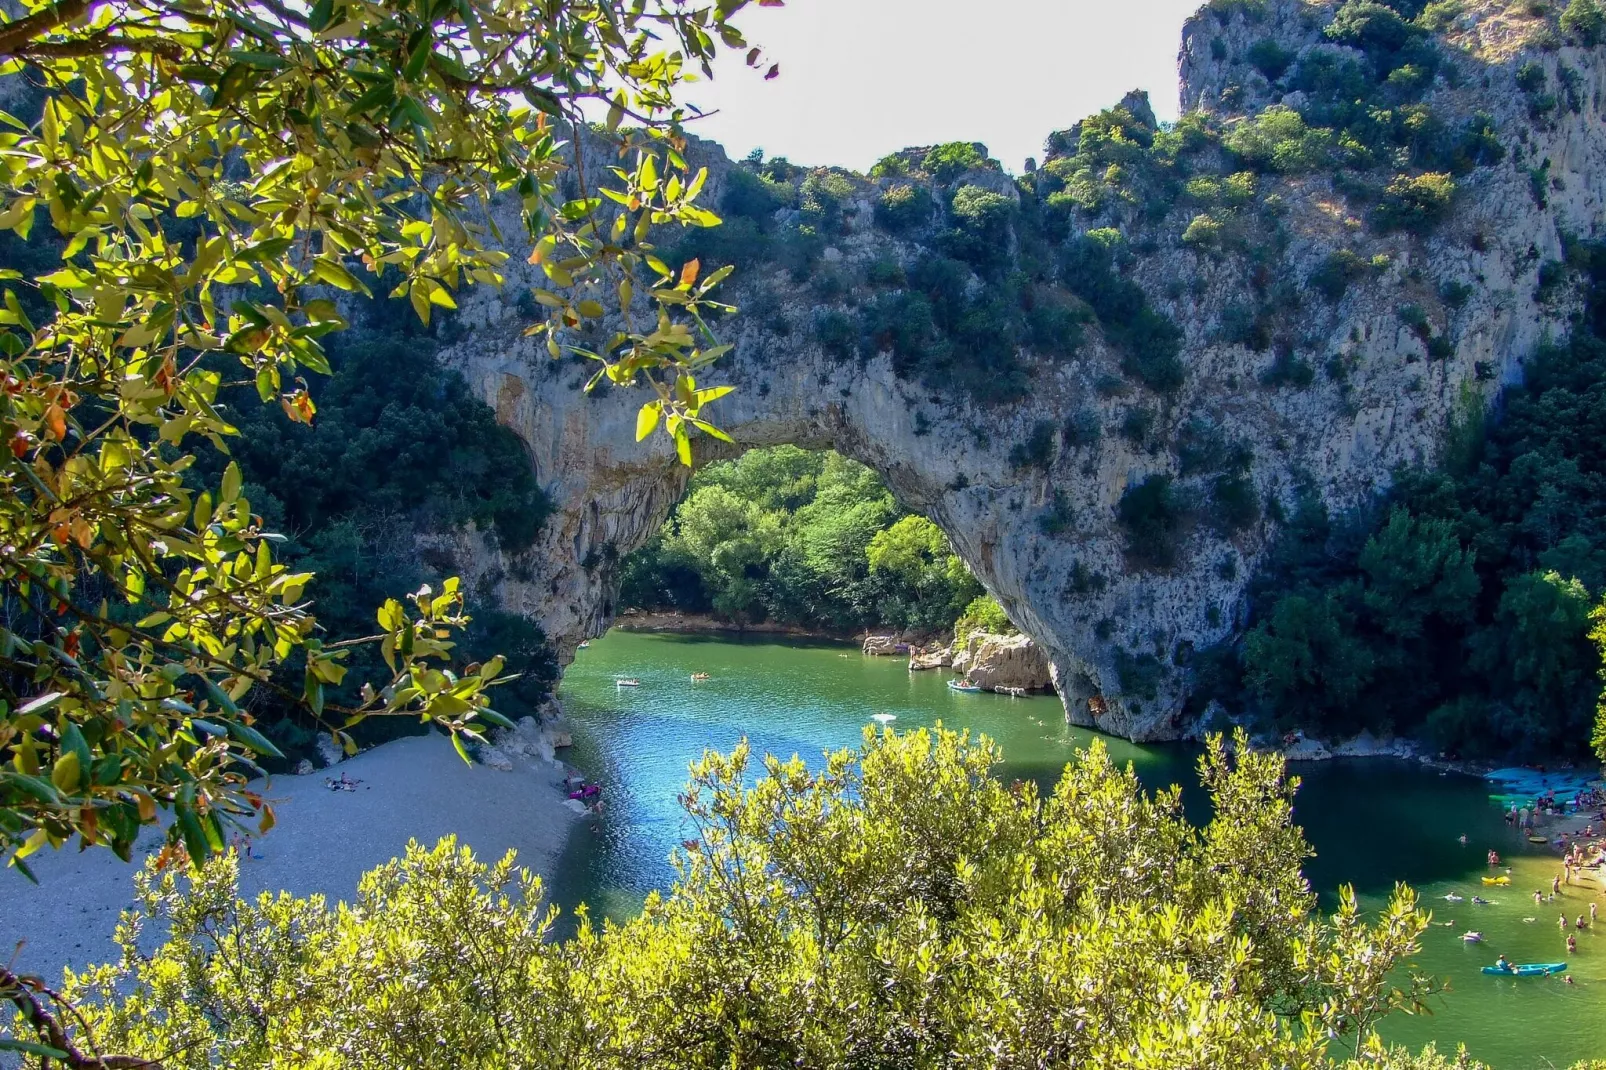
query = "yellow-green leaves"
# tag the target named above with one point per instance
(211, 169)
(896, 903)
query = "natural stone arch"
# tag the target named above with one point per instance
(1116, 634)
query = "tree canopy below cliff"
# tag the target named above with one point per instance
(1459, 608)
(810, 539)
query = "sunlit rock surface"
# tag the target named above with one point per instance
(1120, 638)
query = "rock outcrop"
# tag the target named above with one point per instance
(884, 646)
(939, 657)
(1011, 663)
(1361, 388)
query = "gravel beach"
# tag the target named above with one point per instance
(413, 788)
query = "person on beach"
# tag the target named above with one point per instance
(1494, 858)
(1572, 944)
(1563, 923)
(1592, 913)
(1555, 885)
(1568, 980)
(1539, 896)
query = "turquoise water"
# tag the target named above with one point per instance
(1371, 822)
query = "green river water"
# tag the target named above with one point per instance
(1372, 822)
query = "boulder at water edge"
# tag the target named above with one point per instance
(884, 645)
(1003, 662)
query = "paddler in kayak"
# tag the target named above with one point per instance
(1503, 964)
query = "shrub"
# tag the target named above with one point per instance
(821, 198)
(983, 615)
(1140, 674)
(1152, 516)
(1058, 518)
(980, 235)
(884, 270)
(750, 196)
(1054, 325)
(899, 322)
(1333, 276)
(1233, 503)
(890, 165)
(1150, 343)
(836, 332)
(1437, 16)
(1081, 429)
(1531, 77)
(1278, 139)
(1136, 425)
(1288, 370)
(947, 162)
(903, 208)
(1204, 232)
(1038, 449)
(1270, 58)
(1585, 21)
(1415, 204)
(1370, 27)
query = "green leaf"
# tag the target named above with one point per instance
(253, 739)
(41, 703)
(325, 269)
(462, 751)
(28, 1047)
(647, 419)
(231, 482)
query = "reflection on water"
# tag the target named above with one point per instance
(1371, 822)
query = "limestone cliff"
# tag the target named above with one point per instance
(1321, 342)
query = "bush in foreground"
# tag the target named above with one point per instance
(897, 906)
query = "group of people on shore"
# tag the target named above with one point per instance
(587, 793)
(1585, 800)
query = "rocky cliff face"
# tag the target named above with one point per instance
(1318, 387)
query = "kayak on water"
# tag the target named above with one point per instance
(1527, 969)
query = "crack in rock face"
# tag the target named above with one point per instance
(1051, 537)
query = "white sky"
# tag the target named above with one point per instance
(862, 78)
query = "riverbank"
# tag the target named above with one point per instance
(641, 620)
(409, 789)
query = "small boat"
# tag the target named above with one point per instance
(1530, 969)
(1472, 937)
(962, 685)
(1497, 880)
(583, 644)
(1453, 898)
(626, 683)
(1537, 839)
(883, 718)
(699, 677)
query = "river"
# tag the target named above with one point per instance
(1372, 822)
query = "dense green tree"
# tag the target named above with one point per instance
(810, 539)
(1468, 592)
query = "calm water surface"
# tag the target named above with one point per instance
(1372, 822)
